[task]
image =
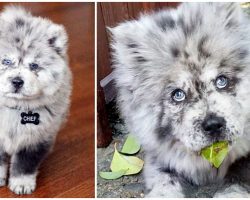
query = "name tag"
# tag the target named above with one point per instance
(31, 118)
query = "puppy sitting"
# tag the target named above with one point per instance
(183, 83)
(35, 86)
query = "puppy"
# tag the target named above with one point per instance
(35, 88)
(183, 79)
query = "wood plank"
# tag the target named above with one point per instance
(113, 13)
(104, 134)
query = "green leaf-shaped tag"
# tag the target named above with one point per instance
(131, 146)
(215, 153)
(112, 175)
(132, 164)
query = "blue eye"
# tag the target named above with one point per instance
(7, 62)
(34, 66)
(221, 82)
(178, 95)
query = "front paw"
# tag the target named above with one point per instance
(166, 192)
(234, 191)
(3, 175)
(24, 184)
(2, 182)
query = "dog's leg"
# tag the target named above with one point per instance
(233, 191)
(3, 167)
(24, 167)
(161, 184)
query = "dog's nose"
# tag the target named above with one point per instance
(213, 124)
(17, 82)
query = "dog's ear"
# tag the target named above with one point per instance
(57, 38)
(123, 35)
(15, 13)
(13, 16)
(56, 35)
(135, 56)
(129, 42)
(128, 51)
(231, 13)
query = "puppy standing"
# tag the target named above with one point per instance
(35, 87)
(183, 84)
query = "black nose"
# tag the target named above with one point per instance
(213, 124)
(17, 82)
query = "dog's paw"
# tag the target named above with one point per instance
(234, 191)
(166, 191)
(2, 182)
(165, 194)
(3, 175)
(25, 184)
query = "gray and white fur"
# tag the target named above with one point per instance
(35, 77)
(193, 48)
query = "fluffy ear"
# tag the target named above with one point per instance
(14, 12)
(135, 59)
(56, 35)
(232, 13)
(127, 51)
(129, 43)
(57, 38)
(124, 33)
(13, 16)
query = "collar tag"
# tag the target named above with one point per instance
(32, 118)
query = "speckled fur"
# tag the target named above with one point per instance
(187, 48)
(25, 39)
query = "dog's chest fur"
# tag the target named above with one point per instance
(15, 135)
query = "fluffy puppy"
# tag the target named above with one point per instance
(35, 88)
(183, 79)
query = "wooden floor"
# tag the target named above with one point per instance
(69, 170)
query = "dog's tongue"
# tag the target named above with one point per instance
(215, 153)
